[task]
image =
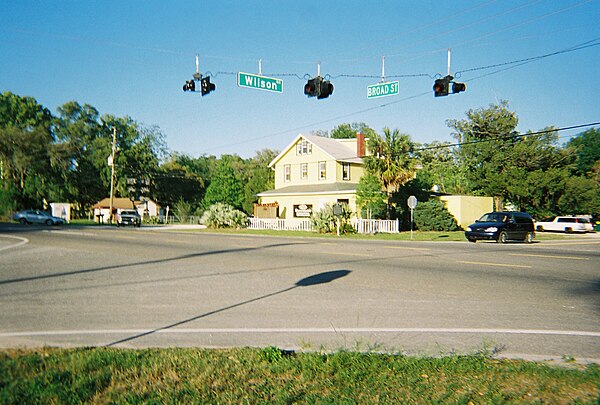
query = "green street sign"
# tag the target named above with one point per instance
(383, 89)
(260, 82)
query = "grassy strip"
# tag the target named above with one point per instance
(270, 375)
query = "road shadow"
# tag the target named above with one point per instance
(315, 279)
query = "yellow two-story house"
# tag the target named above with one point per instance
(311, 172)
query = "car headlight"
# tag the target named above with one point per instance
(469, 229)
(491, 229)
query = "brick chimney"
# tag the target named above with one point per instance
(360, 144)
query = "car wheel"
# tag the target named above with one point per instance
(540, 228)
(503, 237)
(49, 222)
(529, 237)
(472, 240)
(23, 221)
(569, 230)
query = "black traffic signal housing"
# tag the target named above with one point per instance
(441, 87)
(458, 87)
(313, 86)
(319, 88)
(189, 86)
(206, 86)
(326, 89)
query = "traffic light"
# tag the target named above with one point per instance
(189, 86)
(458, 87)
(441, 87)
(319, 88)
(206, 86)
(313, 87)
(326, 89)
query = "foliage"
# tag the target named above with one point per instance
(587, 150)
(441, 169)
(370, 197)
(257, 177)
(324, 221)
(226, 186)
(349, 131)
(222, 215)
(391, 160)
(189, 375)
(432, 215)
(183, 209)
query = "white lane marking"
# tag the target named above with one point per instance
(23, 241)
(301, 330)
(496, 264)
(550, 256)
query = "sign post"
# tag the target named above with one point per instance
(412, 203)
(338, 212)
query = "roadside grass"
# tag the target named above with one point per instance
(418, 236)
(271, 375)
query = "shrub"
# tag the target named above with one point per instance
(433, 215)
(323, 221)
(222, 215)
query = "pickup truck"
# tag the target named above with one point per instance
(565, 224)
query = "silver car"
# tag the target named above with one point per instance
(37, 217)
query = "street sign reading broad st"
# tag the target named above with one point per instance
(383, 89)
(260, 82)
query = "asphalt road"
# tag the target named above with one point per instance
(146, 288)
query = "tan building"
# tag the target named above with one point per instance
(311, 172)
(144, 208)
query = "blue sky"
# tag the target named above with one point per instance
(133, 57)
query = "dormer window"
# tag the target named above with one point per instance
(303, 147)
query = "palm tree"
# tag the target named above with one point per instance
(391, 160)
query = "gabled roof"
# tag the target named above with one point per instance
(118, 202)
(338, 151)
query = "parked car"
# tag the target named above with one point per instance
(502, 227)
(37, 217)
(566, 224)
(129, 217)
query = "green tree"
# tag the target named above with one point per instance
(349, 131)
(391, 160)
(26, 153)
(487, 137)
(432, 215)
(441, 168)
(258, 177)
(587, 150)
(225, 186)
(370, 196)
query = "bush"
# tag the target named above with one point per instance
(222, 215)
(433, 215)
(324, 221)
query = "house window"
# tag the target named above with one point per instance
(303, 147)
(345, 171)
(304, 171)
(287, 173)
(322, 170)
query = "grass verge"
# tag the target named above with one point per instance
(270, 375)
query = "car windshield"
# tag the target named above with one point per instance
(493, 217)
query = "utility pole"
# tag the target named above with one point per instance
(111, 162)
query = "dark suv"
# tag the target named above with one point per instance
(501, 227)
(129, 217)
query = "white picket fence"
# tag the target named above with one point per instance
(361, 225)
(281, 224)
(376, 226)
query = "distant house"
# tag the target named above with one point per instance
(311, 172)
(146, 208)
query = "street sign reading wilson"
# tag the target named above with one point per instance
(383, 89)
(260, 82)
